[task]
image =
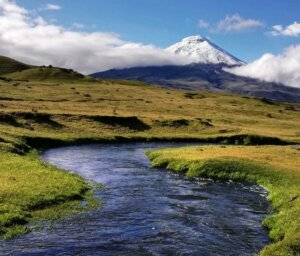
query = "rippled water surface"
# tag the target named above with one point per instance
(149, 212)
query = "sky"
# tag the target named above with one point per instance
(164, 22)
(96, 35)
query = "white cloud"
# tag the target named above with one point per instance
(282, 68)
(36, 41)
(236, 23)
(290, 30)
(52, 7)
(202, 24)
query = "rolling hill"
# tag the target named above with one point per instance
(8, 65)
(14, 70)
(48, 74)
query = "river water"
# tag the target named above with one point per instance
(149, 211)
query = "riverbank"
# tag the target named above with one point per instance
(32, 191)
(274, 167)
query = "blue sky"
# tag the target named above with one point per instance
(164, 22)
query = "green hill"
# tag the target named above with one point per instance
(8, 65)
(48, 74)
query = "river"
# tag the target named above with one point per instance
(149, 211)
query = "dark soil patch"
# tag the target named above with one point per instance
(172, 123)
(14, 119)
(206, 122)
(267, 101)
(131, 122)
(192, 95)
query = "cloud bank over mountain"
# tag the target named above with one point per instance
(282, 68)
(34, 40)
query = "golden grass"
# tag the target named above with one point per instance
(226, 114)
(282, 157)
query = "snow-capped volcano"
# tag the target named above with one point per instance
(201, 50)
(205, 71)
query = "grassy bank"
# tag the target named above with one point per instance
(32, 191)
(277, 168)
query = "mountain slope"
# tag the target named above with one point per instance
(204, 77)
(201, 50)
(8, 65)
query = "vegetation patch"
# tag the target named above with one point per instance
(274, 167)
(249, 139)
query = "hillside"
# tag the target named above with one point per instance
(74, 110)
(8, 65)
(206, 77)
(48, 74)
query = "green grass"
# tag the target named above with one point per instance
(277, 168)
(8, 65)
(32, 191)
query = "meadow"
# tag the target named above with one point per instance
(46, 107)
(105, 109)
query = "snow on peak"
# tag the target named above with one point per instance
(197, 38)
(200, 50)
